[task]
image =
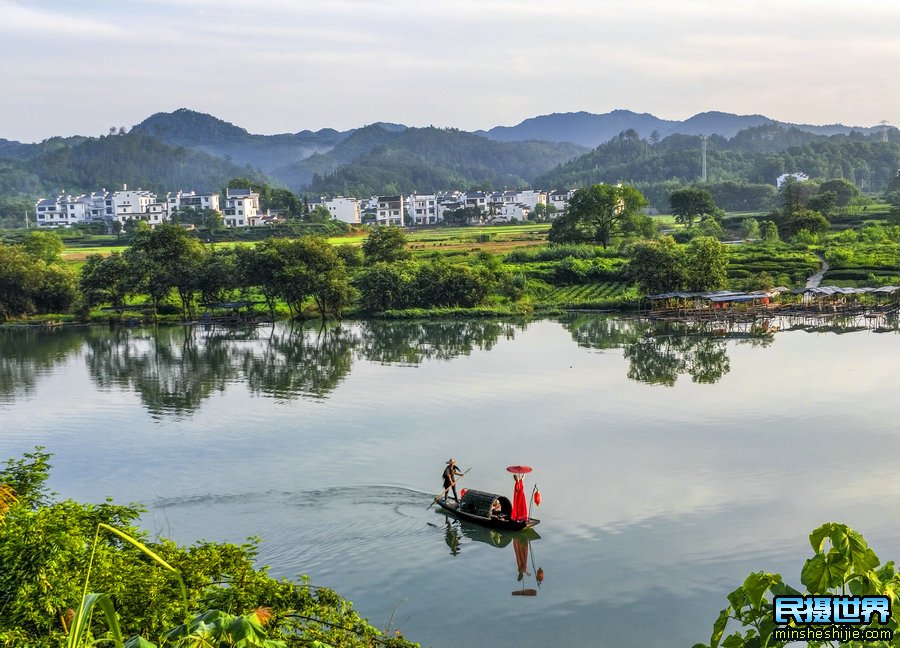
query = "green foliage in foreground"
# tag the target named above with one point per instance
(154, 591)
(842, 563)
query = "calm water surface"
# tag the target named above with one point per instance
(672, 462)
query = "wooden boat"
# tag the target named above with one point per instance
(476, 506)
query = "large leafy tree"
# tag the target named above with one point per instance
(164, 259)
(106, 280)
(598, 213)
(706, 264)
(657, 266)
(385, 244)
(690, 203)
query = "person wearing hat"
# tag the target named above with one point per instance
(451, 472)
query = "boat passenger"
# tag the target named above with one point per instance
(451, 472)
(496, 509)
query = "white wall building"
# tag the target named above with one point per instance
(422, 209)
(560, 200)
(391, 210)
(181, 200)
(344, 209)
(799, 177)
(241, 208)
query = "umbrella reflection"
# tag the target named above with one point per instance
(523, 550)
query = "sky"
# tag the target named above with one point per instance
(78, 67)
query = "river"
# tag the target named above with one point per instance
(672, 461)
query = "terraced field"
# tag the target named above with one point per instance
(597, 295)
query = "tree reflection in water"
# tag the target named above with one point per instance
(300, 361)
(658, 352)
(172, 369)
(411, 343)
(27, 354)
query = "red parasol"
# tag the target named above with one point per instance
(518, 469)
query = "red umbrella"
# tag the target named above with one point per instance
(518, 469)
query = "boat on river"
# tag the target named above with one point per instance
(479, 507)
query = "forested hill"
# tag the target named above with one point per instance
(752, 156)
(86, 165)
(429, 159)
(214, 136)
(589, 129)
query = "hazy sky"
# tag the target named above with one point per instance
(81, 66)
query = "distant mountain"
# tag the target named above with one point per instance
(429, 159)
(202, 132)
(586, 129)
(592, 130)
(90, 164)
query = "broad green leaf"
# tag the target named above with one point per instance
(817, 537)
(783, 589)
(886, 572)
(823, 572)
(755, 587)
(734, 640)
(719, 627)
(82, 620)
(139, 642)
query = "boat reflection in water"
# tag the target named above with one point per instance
(526, 569)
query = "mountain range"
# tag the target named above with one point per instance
(191, 150)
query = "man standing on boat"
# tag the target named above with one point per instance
(451, 472)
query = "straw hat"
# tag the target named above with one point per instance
(451, 462)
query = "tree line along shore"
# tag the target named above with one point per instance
(604, 252)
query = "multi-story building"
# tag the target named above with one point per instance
(181, 200)
(62, 211)
(241, 207)
(422, 209)
(559, 199)
(346, 210)
(390, 210)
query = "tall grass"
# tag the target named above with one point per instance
(82, 619)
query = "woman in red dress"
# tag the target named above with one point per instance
(519, 504)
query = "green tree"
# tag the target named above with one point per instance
(750, 228)
(164, 259)
(385, 244)
(768, 232)
(319, 214)
(106, 280)
(598, 213)
(45, 246)
(845, 191)
(386, 286)
(657, 266)
(542, 212)
(706, 264)
(691, 203)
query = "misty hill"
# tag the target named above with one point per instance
(586, 129)
(592, 130)
(756, 155)
(89, 164)
(429, 159)
(211, 135)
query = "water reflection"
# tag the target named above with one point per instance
(299, 361)
(658, 351)
(411, 343)
(174, 370)
(29, 353)
(527, 572)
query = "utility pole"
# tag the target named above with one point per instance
(703, 145)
